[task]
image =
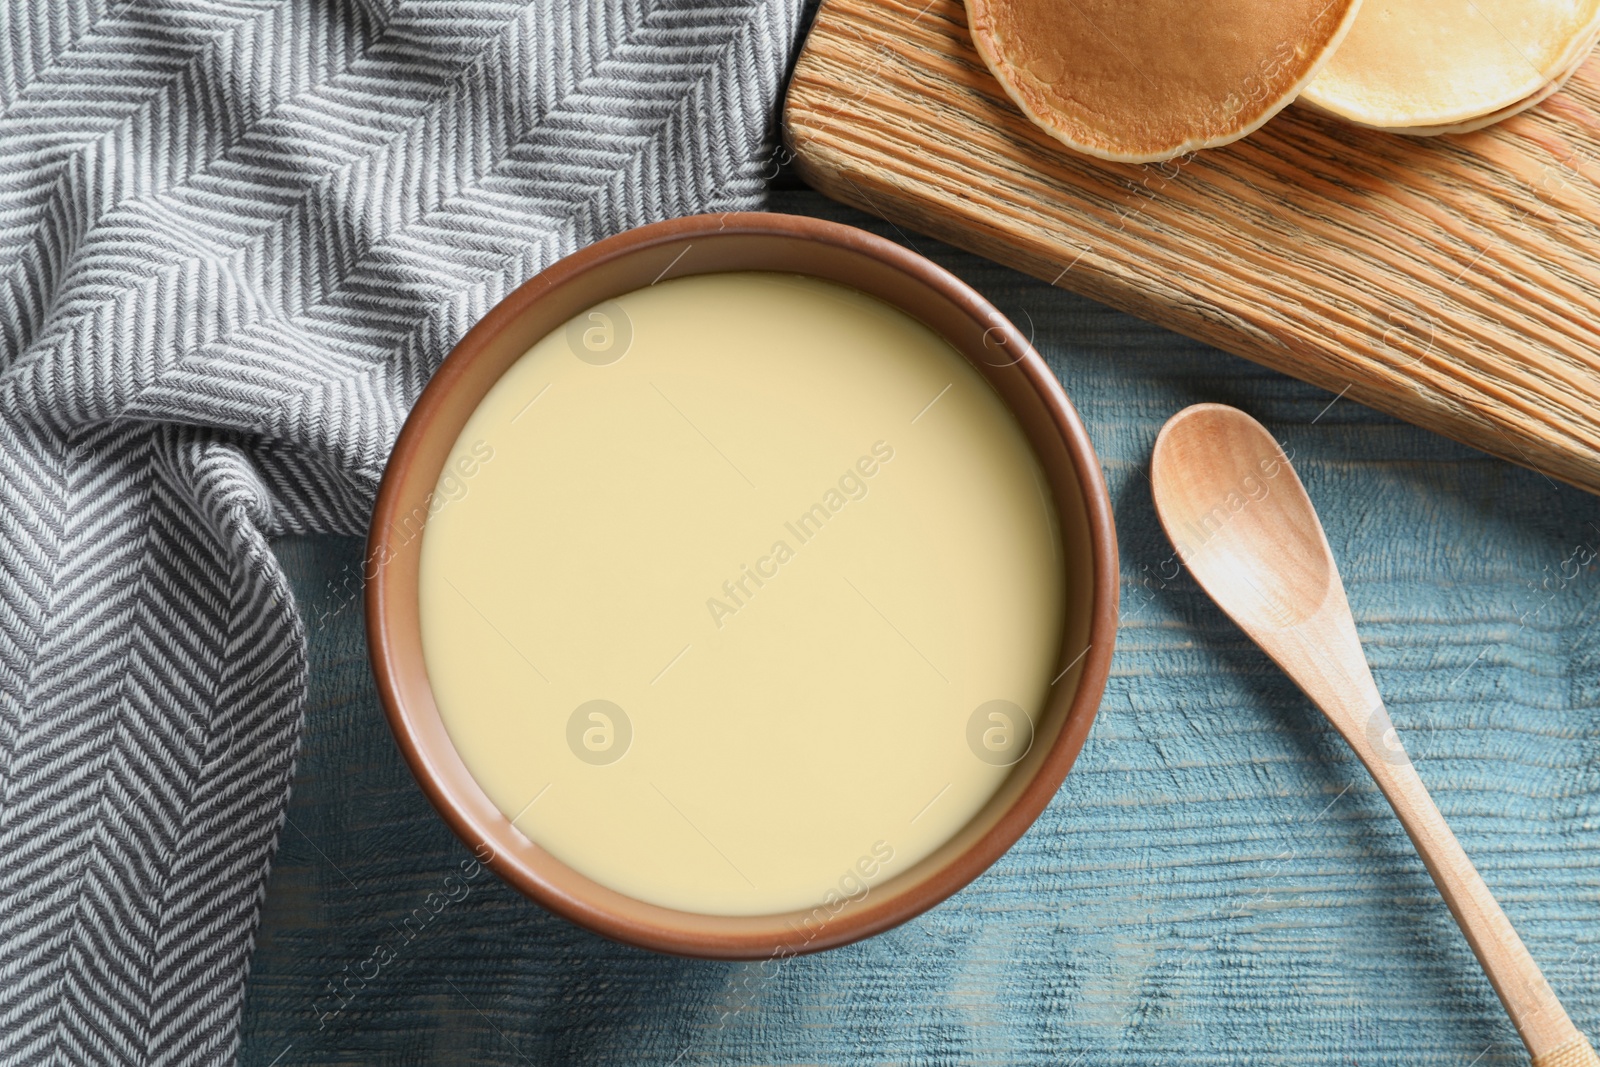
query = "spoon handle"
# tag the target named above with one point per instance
(1325, 658)
(1551, 1038)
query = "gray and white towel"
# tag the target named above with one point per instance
(236, 237)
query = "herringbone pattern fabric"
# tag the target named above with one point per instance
(236, 236)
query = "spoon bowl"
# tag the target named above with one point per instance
(1227, 488)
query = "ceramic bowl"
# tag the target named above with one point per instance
(742, 242)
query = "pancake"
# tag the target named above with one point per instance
(1506, 112)
(1139, 81)
(1410, 65)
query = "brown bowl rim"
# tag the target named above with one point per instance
(595, 908)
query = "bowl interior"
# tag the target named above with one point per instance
(710, 244)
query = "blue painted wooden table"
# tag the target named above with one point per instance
(1217, 882)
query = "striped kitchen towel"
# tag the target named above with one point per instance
(236, 237)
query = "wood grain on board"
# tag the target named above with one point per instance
(1452, 281)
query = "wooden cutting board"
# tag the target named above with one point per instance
(1452, 281)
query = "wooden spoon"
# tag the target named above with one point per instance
(1244, 526)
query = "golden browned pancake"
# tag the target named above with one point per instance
(1439, 64)
(1144, 80)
